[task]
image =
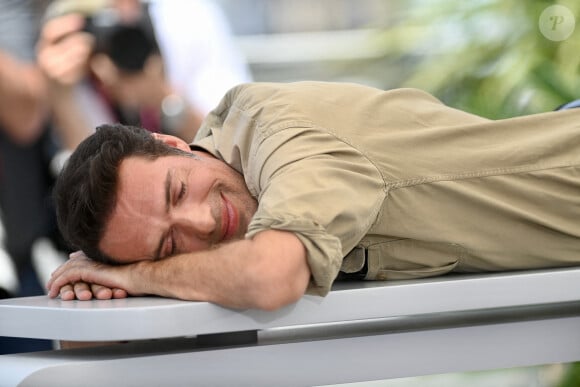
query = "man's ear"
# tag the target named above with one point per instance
(172, 141)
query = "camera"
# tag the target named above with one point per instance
(128, 44)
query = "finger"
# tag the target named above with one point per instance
(62, 286)
(105, 70)
(101, 292)
(70, 57)
(57, 28)
(56, 274)
(74, 258)
(53, 291)
(77, 254)
(119, 293)
(82, 291)
(66, 293)
(78, 47)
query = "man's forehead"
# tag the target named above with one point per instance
(133, 167)
(127, 235)
(139, 199)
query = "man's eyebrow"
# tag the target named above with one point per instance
(167, 186)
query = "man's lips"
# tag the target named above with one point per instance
(229, 219)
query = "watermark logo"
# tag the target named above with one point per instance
(557, 23)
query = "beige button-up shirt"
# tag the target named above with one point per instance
(418, 188)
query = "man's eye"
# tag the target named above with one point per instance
(178, 195)
(173, 249)
(171, 244)
(182, 191)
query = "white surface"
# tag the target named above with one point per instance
(362, 331)
(340, 360)
(151, 317)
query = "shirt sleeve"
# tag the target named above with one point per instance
(319, 187)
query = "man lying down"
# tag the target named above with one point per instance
(288, 187)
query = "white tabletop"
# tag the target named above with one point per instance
(137, 318)
(361, 331)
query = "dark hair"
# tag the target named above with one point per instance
(85, 191)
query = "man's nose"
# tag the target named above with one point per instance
(197, 220)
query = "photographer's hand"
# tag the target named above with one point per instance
(146, 89)
(64, 50)
(63, 54)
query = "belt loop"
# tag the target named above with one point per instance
(354, 264)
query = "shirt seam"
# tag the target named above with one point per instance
(406, 183)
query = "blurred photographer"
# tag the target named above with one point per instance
(160, 64)
(26, 217)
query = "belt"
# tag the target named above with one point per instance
(354, 265)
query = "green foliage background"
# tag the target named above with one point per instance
(487, 57)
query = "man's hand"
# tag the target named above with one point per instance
(266, 272)
(83, 279)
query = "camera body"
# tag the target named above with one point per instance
(127, 44)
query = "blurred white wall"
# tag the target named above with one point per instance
(288, 40)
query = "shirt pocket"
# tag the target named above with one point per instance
(409, 259)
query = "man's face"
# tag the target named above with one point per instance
(175, 204)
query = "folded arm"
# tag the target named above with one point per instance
(266, 272)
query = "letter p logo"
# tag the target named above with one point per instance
(557, 23)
